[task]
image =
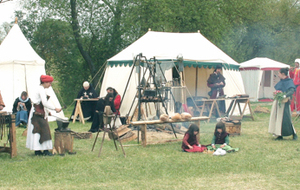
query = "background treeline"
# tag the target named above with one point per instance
(76, 37)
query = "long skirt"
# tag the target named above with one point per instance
(22, 116)
(280, 123)
(33, 139)
(196, 149)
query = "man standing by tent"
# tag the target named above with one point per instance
(295, 75)
(216, 82)
(2, 105)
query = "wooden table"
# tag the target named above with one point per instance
(213, 103)
(78, 109)
(9, 119)
(144, 124)
(236, 102)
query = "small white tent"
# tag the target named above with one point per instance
(259, 76)
(200, 56)
(20, 69)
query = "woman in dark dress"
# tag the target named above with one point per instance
(98, 114)
(281, 118)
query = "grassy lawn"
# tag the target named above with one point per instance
(261, 163)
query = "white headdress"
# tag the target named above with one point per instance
(297, 61)
(86, 84)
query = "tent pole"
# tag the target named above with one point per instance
(101, 76)
(25, 79)
(183, 98)
(196, 86)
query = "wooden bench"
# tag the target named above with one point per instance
(144, 124)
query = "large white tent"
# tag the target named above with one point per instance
(259, 76)
(20, 69)
(200, 56)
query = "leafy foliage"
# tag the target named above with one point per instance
(77, 37)
(54, 42)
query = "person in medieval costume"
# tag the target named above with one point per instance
(97, 124)
(21, 108)
(2, 105)
(220, 139)
(117, 104)
(190, 140)
(216, 82)
(280, 123)
(88, 107)
(294, 74)
(38, 134)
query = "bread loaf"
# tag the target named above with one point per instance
(176, 117)
(164, 117)
(186, 116)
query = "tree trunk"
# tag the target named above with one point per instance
(75, 27)
(116, 36)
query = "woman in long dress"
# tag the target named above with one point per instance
(281, 118)
(38, 134)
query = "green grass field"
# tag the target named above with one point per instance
(261, 163)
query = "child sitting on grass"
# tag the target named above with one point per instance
(221, 139)
(190, 142)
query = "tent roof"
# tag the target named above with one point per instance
(262, 63)
(196, 50)
(16, 49)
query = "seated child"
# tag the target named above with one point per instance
(221, 139)
(190, 142)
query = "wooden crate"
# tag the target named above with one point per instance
(125, 134)
(233, 128)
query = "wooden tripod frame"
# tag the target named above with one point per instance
(111, 129)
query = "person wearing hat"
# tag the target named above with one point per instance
(38, 134)
(216, 82)
(88, 107)
(2, 105)
(294, 73)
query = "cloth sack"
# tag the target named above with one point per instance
(219, 152)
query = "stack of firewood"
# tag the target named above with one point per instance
(125, 134)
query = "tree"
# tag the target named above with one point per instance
(4, 1)
(262, 28)
(92, 31)
(54, 42)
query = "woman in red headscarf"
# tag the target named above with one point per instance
(38, 134)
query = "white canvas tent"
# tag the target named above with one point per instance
(259, 76)
(200, 56)
(20, 69)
